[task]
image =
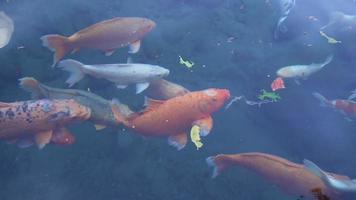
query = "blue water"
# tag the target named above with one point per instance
(113, 164)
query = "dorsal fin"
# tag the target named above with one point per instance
(4, 105)
(152, 104)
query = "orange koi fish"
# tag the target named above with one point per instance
(107, 36)
(40, 122)
(292, 178)
(174, 117)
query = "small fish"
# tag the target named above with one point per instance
(330, 39)
(278, 84)
(346, 107)
(40, 122)
(107, 36)
(286, 6)
(174, 117)
(186, 63)
(340, 185)
(274, 97)
(120, 74)
(195, 136)
(6, 29)
(291, 178)
(341, 19)
(163, 90)
(101, 113)
(302, 71)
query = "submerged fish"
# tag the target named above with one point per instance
(120, 74)
(286, 6)
(40, 122)
(277, 84)
(302, 71)
(174, 117)
(163, 90)
(346, 107)
(101, 113)
(290, 177)
(6, 29)
(107, 36)
(340, 19)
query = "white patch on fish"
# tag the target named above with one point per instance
(6, 29)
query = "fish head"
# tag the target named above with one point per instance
(68, 111)
(285, 72)
(213, 99)
(158, 72)
(148, 24)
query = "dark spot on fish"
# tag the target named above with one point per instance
(10, 114)
(24, 107)
(29, 121)
(19, 113)
(28, 114)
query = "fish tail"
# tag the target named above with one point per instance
(327, 60)
(121, 111)
(31, 85)
(314, 169)
(74, 68)
(217, 163)
(57, 43)
(321, 98)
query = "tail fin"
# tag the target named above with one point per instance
(57, 43)
(321, 98)
(327, 60)
(74, 68)
(121, 111)
(31, 85)
(328, 180)
(217, 164)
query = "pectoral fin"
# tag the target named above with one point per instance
(43, 138)
(205, 125)
(25, 143)
(62, 136)
(109, 52)
(179, 140)
(121, 86)
(140, 87)
(135, 47)
(99, 127)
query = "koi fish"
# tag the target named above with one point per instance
(174, 117)
(286, 6)
(302, 71)
(341, 19)
(163, 90)
(107, 36)
(291, 178)
(341, 185)
(278, 84)
(101, 113)
(331, 40)
(40, 122)
(346, 107)
(120, 74)
(6, 29)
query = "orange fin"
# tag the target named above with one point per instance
(135, 47)
(179, 140)
(217, 163)
(205, 125)
(152, 104)
(43, 138)
(58, 44)
(4, 105)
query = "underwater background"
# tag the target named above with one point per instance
(114, 164)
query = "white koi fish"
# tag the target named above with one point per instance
(286, 6)
(6, 29)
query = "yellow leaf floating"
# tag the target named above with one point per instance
(330, 39)
(187, 63)
(195, 136)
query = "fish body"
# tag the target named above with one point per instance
(346, 107)
(340, 19)
(163, 90)
(302, 71)
(121, 75)
(6, 29)
(290, 177)
(107, 36)
(101, 113)
(175, 117)
(41, 121)
(285, 6)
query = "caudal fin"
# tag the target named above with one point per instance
(321, 98)
(217, 163)
(74, 68)
(31, 85)
(327, 60)
(57, 43)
